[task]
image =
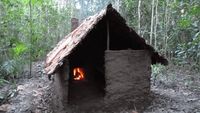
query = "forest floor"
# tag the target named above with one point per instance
(175, 90)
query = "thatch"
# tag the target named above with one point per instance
(68, 43)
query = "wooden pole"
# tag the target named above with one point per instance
(108, 35)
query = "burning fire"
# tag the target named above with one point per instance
(78, 73)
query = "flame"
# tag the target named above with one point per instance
(78, 73)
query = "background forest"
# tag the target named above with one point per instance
(31, 28)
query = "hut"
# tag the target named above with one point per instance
(103, 62)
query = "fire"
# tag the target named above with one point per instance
(78, 73)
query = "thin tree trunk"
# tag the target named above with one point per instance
(152, 22)
(166, 27)
(156, 22)
(139, 16)
(31, 33)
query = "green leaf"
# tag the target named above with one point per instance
(9, 66)
(38, 2)
(184, 23)
(2, 81)
(195, 10)
(25, 2)
(19, 49)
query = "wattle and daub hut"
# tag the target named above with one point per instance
(102, 60)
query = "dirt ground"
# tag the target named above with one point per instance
(31, 94)
(175, 90)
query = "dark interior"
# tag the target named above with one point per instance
(89, 54)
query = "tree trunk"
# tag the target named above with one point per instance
(152, 22)
(166, 27)
(156, 22)
(31, 33)
(139, 16)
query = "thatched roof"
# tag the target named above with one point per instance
(68, 43)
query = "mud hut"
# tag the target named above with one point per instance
(102, 61)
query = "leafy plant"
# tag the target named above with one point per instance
(2, 82)
(19, 49)
(156, 71)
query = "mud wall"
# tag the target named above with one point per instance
(61, 87)
(127, 74)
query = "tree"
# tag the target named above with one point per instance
(152, 22)
(24, 27)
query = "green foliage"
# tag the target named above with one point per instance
(129, 10)
(178, 22)
(157, 69)
(8, 66)
(47, 23)
(19, 49)
(2, 82)
(184, 23)
(195, 10)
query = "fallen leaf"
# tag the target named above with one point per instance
(4, 107)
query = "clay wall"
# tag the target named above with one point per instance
(127, 74)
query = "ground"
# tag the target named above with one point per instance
(30, 94)
(176, 89)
